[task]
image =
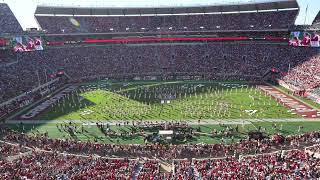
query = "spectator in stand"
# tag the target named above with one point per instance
(227, 61)
(156, 150)
(8, 22)
(305, 75)
(43, 164)
(167, 24)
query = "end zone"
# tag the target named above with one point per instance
(294, 105)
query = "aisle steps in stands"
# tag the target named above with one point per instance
(137, 169)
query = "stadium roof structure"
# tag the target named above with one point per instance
(119, 11)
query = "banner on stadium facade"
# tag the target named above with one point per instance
(26, 43)
(304, 38)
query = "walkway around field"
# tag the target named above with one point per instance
(190, 122)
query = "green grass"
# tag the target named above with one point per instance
(92, 133)
(188, 100)
(141, 100)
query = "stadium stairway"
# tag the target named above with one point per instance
(165, 167)
(196, 173)
(137, 169)
(67, 75)
(53, 70)
(266, 73)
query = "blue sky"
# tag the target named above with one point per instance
(24, 9)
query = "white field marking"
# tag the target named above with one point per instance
(190, 121)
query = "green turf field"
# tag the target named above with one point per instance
(92, 133)
(172, 100)
(188, 101)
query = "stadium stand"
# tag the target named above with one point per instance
(305, 76)
(213, 22)
(294, 164)
(22, 76)
(243, 147)
(316, 22)
(316, 91)
(46, 165)
(8, 22)
(50, 162)
(11, 150)
(35, 155)
(213, 60)
(7, 56)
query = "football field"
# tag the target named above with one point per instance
(206, 106)
(170, 100)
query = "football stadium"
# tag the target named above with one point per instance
(161, 90)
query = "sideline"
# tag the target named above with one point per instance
(190, 122)
(18, 113)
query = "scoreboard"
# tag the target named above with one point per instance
(21, 43)
(305, 38)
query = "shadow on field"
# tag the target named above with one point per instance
(63, 108)
(154, 93)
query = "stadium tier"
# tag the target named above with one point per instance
(214, 60)
(42, 158)
(210, 22)
(6, 56)
(8, 22)
(305, 75)
(210, 61)
(22, 76)
(316, 21)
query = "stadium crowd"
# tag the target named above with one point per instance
(47, 165)
(66, 160)
(215, 60)
(28, 97)
(223, 61)
(22, 76)
(249, 146)
(305, 76)
(10, 150)
(294, 164)
(8, 22)
(314, 149)
(237, 21)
